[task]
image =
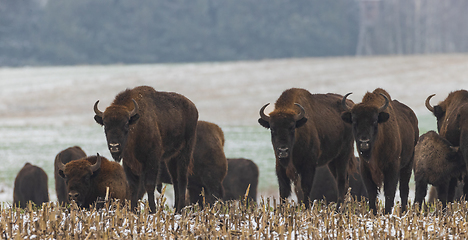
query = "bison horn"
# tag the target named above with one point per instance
(428, 104)
(97, 165)
(96, 110)
(343, 101)
(262, 113)
(135, 109)
(381, 109)
(302, 113)
(59, 164)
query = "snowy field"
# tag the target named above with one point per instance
(44, 110)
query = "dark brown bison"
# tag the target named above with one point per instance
(307, 132)
(457, 196)
(452, 124)
(241, 173)
(65, 156)
(436, 162)
(30, 185)
(209, 165)
(145, 127)
(386, 132)
(88, 178)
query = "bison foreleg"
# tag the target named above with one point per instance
(370, 186)
(405, 175)
(283, 181)
(307, 180)
(390, 186)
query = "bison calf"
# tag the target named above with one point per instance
(65, 156)
(30, 185)
(436, 162)
(241, 173)
(88, 178)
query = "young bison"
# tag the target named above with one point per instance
(436, 162)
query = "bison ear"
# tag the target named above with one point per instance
(301, 122)
(98, 119)
(264, 123)
(346, 116)
(438, 111)
(383, 117)
(60, 172)
(133, 119)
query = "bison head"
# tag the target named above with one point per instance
(78, 175)
(437, 110)
(116, 120)
(365, 119)
(282, 125)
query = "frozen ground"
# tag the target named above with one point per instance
(44, 110)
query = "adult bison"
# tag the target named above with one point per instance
(452, 124)
(87, 179)
(436, 162)
(386, 132)
(241, 173)
(65, 156)
(145, 127)
(30, 185)
(306, 132)
(209, 165)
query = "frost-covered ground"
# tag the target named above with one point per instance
(44, 110)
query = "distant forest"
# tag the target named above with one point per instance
(59, 32)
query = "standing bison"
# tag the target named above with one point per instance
(65, 156)
(209, 165)
(436, 162)
(88, 178)
(30, 185)
(386, 132)
(241, 173)
(452, 123)
(307, 132)
(144, 128)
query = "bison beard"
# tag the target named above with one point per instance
(145, 127)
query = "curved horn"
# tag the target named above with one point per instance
(97, 165)
(262, 113)
(59, 164)
(381, 109)
(302, 113)
(135, 109)
(428, 104)
(343, 102)
(96, 110)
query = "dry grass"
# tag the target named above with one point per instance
(233, 220)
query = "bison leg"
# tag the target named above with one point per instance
(370, 186)
(451, 189)
(421, 191)
(283, 181)
(390, 186)
(150, 173)
(178, 168)
(307, 179)
(339, 169)
(405, 175)
(442, 192)
(135, 187)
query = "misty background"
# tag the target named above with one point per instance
(54, 32)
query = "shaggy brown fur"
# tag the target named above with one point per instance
(241, 173)
(436, 162)
(65, 156)
(309, 135)
(30, 185)
(86, 186)
(145, 127)
(385, 136)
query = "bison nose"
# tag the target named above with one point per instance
(364, 144)
(114, 147)
(283, 152)
(73, 195)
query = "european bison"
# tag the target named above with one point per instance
(241, 173)
(209, 165)
(65, 156)
(145, 127)
(88, 178)
(307, 132)
(452, 124)
(386, 132)
(436, 162)
(30, 185)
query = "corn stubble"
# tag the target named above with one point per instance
(268, 219)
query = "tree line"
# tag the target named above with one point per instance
(54, 32)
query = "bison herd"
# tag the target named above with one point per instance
(158, 138)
